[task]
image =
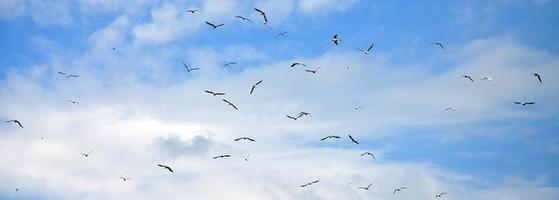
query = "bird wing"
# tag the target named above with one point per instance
(529, 103)
(539, 78)
(212, 25)
(18, 123)
(335, 36)
(516, 102)
(257, 83)
(290, 117)
(237, 139)
(370, 47)
(308, 70)
(219, 93)
(210, 92)
(73, 75)
(252, 89)
(62, 73)
(192, 69)
(292, 65)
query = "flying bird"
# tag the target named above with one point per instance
(232, 105)
(365, 188)
(369, 153)
(222, 156)
(281, 34)
(335, 39)
(229, 64)
(487, 78)
(290, 117)
(246, 158)
(254, 86)
(244, 138)
(15, 121)
(330, 136)
(87, 154)
(263, 15)
(438, 44)
(313, 71)
(213, 25)
(188, 69)
(468, 77)
(303, 114)
(450, 108)
(440, 195)
(356, 107)
(307, 184)
(73, 101)
(524, 103)
(68, 75)
(352, 140)
(398, 189)
(114, 48)
(243, 18)
(297, 63)
(214, 93)
(537, 76)
(166, 167)
(192, 11)
(125, 178)
(368, 50)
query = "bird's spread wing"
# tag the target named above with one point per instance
(370, 47)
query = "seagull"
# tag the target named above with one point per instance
(352, 140)
(487, 78)
(335, 39)
(68, 75)
(230, 104)
(166, 167)
(369, 153)
(246, 158)
(87, 154)
(356, 107)
(188, 69)
(297, 63)
(537, 76)
(468, 77)
(398, 189)
(213, 25)
(244, 138)
(192, 11)
(214, 93)
(365, 188)
(263, 15)
(229, 64)
(440, 195)
(330, 136)
(254, 86)
(281, 34)
(303, 114)
(368, 50)
(307, 184)
(450, 108)
(222, 156)
(438, 44)
(524, 103)
(73, 101)
(16, 122)
(290, 117)
(243, 18)
(313, 71)
(125, 178)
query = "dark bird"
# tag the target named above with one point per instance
(228, 64)
(368, 50)
(263, 15)
(369, 153)
(313, 71)
(15, 122)
(440, 195)
(192, 11)
(244, 138)
(450, 108)
(230, 104)
(438, 44)
(114, 48)
(125, 178)
(73, 101)
(254, 86)
(222, 156)
(537, 76)
(524, 103)
(352, 140)
(303, 114)
(290, 117)
(398, 189)
(243, 18)
(335, 39)
(246, 158)
(214, 93)
(166, 167)
(188, 69)
(330, 136)
(281, 34)
(297, 63)
(17, 190)
(356, 107)
(468, 77)
(213, 25)
(68, 75)
(307, 184)
(365, 188)
(87, 154)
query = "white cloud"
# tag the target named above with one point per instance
(323, 6)
(11, 8)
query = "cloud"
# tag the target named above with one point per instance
(11, 8)
(323, 6)
(172, 145)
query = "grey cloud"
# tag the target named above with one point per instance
(174, 146)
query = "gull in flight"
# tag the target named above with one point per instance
(365, 188)
(369, 153)
(368, 50)
(440, 195)
(303, 114)
(468, 77)
(188, 69)
(263, 15)
(73, 101)
(222, 156)
(244, 138)
(243, 18)
(450, 108)
(330, 136)
(125, 178)
(254, 86)
(87, 154)
(352, 139)
(487, 78)
(297, 63)
(165, 167)
(15, 121)
(68, 75)
(399, 189)
(356, 107)
(335, 39)
(438, 44)
(228, 64)
(537, 76)
(281, 34)
(192, 11)
(213, 25)
(214, 93)
(313, 71)
(524, 103)
(232, 105)
(307, 184)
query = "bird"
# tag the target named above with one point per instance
(303, 114)
(537, 76)
(17, 190)
(263, 15)
(15, 121)
(352, 140)
(243, 18)
(125, 178)
(369, 153)
(166, 167)
(290, 117)
(244, 138)
(246, 158)
(87, 154)
(335, 39)
(487, 78)
(468, 77)
(213, 25)
(398, 189)
(73, 101)
(114, 48)
(68, 75)
(214, 93)
(297, 63)
(254, 86)
(307, 184)
(313, 71)
(330, 136)
(524, 103)
(230, 104)
(438, 44)
(192, 11)
(222, 156)
(281, 33)
(450, 108)
(228, 64)
(188, 69)
(356, 107)
(365, 188)
(368, 50)
(440, 195)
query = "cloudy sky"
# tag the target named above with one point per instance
(139, 107)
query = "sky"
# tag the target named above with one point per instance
(139, 107)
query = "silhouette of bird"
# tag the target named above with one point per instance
(263, 15)
(244, 138)
(538, 76)
(228, 64)
(125, 178)
(335, 39)
(166, 167)
(313, 71)
(356, 107)
(352, 139)
(365, 188)
(468, 77)
(487, 78)
(524, 103)
(368, 50)
(450, 108)
(398, 189)
(440, 195)
(243, 18)
(303, 114)
(213, 25)
(192, 11)
(290, 117)
(214, 93)
(222, 156)
(15, 121)
(254, 86)
(369, 153)
(297, 63)
(232, 105)
(307, 184)
(438, 44)
(68, 75)
(281, 34)
(330, 136)
(87, 154)
(188, 69)
(73, 101)
(246, 158)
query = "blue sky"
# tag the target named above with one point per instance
(141, 96)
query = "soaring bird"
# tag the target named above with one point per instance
(352, 140)
(228, 64)
(263, 15)
(450, 108)
(537, 76)
(468, 77)
(303, 114)
(166, 167)
(192, 11)
(307, 184)
(487, 78)
(214, 93)
(87, 154)
(313, 71)
(68, 75)
(213, 25)
(73, 101)
(232, 105)
(335, 39)
(246, 158)
(290, 117)
(440, 195)
(297, 63)
(356, 107)
(281, 33)
(244, 138)
(369, 153)
(188, 69)
(125, 178)
(398, 189)
(368, 50)
(15, 121)
(365, 188)
(438, 44)
(222, 156)
(330, 136)
(243, 18)
(524, 103)
(254, 86)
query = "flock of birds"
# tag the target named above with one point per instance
(336, 41)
